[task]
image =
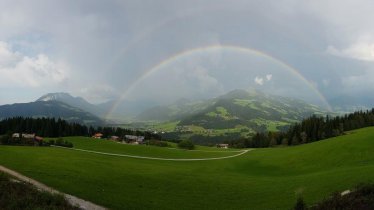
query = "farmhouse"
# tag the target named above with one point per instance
(15, 135)
(224, 146)
(38, 138)
(97, 135)
(27, 138)
(114, 138)
(24, 135)
(134, 139)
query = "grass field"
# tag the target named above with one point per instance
(260, 179)
(148, 151)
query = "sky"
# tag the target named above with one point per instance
(163, 50)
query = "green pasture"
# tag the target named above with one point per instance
(268, 178)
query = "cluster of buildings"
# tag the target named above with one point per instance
(28, 138)
(127, 139)
(183, 128)
(224, 146)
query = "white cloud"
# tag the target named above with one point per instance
(259, 80)
(360, 51)
(18, 70)
(7, 57)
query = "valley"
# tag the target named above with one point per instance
(236, 114)
(186, 105)
(269, 178)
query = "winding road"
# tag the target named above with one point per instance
(156, 158)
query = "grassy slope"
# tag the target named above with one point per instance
(147, 151)
(260, 179)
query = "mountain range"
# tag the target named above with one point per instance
(49, 109)
(237, 110)
(124, 111)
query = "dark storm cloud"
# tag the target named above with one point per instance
(85, 46)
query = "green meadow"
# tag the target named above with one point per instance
(268, 178)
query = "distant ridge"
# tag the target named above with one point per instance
(252, 109)
(50, 109)
(77, 102)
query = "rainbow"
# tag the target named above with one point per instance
(209, 49)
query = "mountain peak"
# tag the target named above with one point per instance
(59, 96)
(71, 100)
(240, 94)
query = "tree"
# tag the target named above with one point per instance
(5, 139)
(285, 141)
(295, 140)
(186, 144)
(273, 142)
(304, 137)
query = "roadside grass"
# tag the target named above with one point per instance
(270, 178)
(16, 194)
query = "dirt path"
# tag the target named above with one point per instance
(71, 199)
(155, 158)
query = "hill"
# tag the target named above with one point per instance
(77, 102)
(254, 109)
(125, 109)
(50, 109)
(237, 113)
(180, 109)
(268, 178)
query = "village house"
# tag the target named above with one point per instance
(24, 135)
(28, 138)
(134, 139)
(97, 136)
(114, 138)
(15, 135)
(224, 146)
(38, 138)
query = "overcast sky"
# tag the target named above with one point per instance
(100, 49)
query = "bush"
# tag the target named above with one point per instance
(300, 204)
(5, 139)
(157, 143)
(51, 142)
(186, 144)
(362, 197)
(60, 142)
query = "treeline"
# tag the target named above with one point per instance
(51, 127)
(311, 129)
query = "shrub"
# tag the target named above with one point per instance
(157, 143)
(51, 142)
(362, 197)
(300, 204)
(186, 144)
(5, 139)
(60, 142)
